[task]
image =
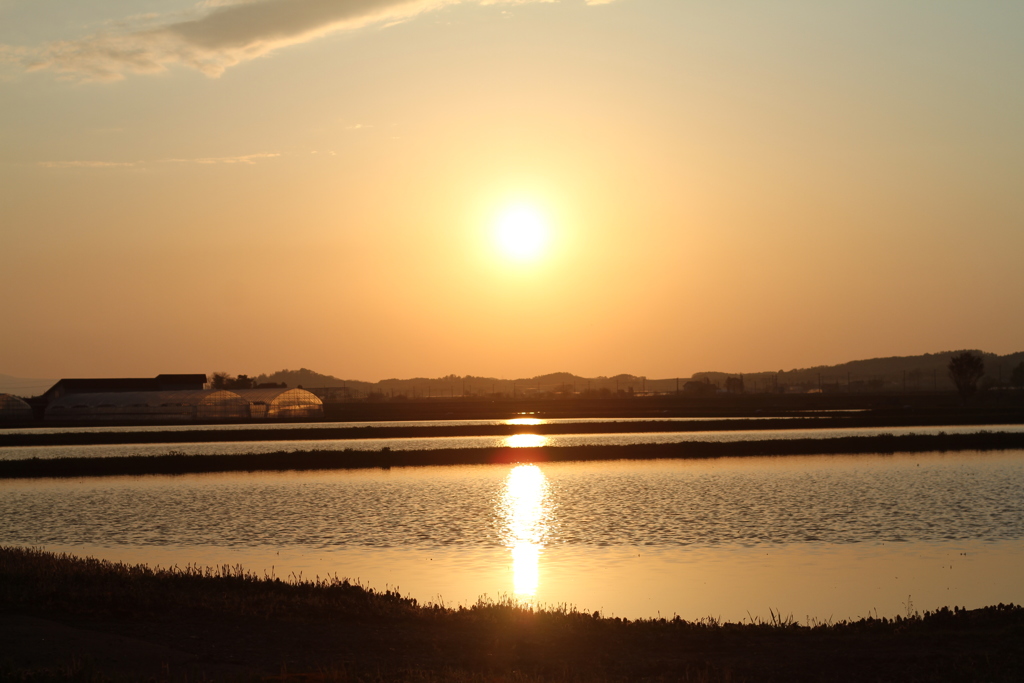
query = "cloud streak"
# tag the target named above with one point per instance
(247, 159)
(221, 35)
(87, 164)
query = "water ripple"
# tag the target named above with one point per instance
(741, 502)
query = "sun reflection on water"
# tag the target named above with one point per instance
(525, 511)
(525, 441)
(528, 421)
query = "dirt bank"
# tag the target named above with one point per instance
(351, 459)
(64, 618)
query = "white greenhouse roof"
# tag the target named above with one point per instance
(278, 395)
(14, 407)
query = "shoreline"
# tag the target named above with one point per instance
(71, 618)
(352, 459)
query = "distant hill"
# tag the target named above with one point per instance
(24, 387)
(926, 372)
(458, 385)
(917, 373)
(308, 379)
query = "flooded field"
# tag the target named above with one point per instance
(829, 537)
(447, 442)
(523, 419)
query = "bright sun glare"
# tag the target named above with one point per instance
(522, 232)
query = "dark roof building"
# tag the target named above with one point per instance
(124, 384)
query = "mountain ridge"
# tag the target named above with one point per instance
(920, 372)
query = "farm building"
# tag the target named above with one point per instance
(208, 405)
(194, 382)
(157, 406)
(282, 403)
(173, 398)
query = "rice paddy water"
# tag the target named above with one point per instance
(816, 537)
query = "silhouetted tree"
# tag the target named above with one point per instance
(734, 385)
(704, 388)
(1017, 376)
(965, 369)
(240, 382)
(222, 380)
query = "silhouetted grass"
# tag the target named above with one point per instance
(177, 463)
(226, 620)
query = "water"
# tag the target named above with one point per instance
(819, 537)
(515, 441)
(523, 419)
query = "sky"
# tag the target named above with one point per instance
(399, 188)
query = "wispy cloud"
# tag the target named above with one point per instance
(244, 159)
(219, 34)
(248, 159)
(87, 164)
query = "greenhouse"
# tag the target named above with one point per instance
(282, 404)
(159, 406)
(13, 408)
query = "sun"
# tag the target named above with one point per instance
(522, 232)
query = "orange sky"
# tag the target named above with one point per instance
(741, 186)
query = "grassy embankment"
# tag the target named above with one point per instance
(352, 459)
(66, 618)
